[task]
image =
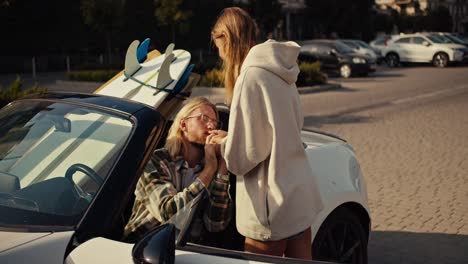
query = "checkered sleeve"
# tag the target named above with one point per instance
(218, 211)
(156, 198)
(163, 199)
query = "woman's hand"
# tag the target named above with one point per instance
(216, 137)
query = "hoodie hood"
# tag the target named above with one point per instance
(279, 58)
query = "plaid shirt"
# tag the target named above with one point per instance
(160, 194)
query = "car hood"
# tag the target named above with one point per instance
(9, 240)
(318, 138)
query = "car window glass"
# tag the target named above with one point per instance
(438, 39)
(362, 44)
(311, 48)
(342, 48)
(403, 41)
(418, 40)
(62, 150)
(379, 42)
(323, 49)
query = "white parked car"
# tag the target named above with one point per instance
(67, 183)
(423, 47)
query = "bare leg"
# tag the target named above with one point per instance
(300, 246)
(274, 248)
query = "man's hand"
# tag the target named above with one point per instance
(211, 163)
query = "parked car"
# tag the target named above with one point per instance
(452, 38)
(423, 47)
(68, 170)
(380, 42)
(362, 47)
(335, 56)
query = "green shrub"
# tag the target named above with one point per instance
(92, 75)
(310, 74)
(212, 78)
(15, 91)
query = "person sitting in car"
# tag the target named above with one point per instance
(177, 173)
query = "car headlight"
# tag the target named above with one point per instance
(457, 52)
(358, 60)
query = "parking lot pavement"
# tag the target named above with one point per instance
(415, 163)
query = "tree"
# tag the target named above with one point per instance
(267, 13)
(343, 17)
(440, 19)
(104, 16)
(169, 13)
(6, 3)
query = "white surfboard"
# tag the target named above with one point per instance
(149, 82)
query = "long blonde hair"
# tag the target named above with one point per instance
(239, 31)
(174, 140)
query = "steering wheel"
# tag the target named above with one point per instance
(86, 170)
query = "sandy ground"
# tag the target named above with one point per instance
(415, 162)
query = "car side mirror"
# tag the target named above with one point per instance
(425, 43)
(332, 52)
(158, 246)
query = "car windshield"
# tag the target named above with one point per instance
(342, 48)
(362, 44)
(438, 39)
(53, 159)
(350, 43)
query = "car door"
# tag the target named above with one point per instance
(328, 56)
(402, 47)
(422, 50)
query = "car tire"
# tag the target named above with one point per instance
(341, 238)
(345, 71)
(393, 60)
(440, 60)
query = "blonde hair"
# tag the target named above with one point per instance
(174, 140)
(239, 31)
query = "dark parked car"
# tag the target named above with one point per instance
(335, 56)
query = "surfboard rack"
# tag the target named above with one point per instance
(131, 61)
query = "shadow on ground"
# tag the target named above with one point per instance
(414, 248)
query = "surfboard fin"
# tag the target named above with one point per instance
(164, 77)
(142, 50)
(131, 61)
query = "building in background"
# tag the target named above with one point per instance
(458, 10)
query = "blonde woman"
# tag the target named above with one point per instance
(177, 173)
(277, 198)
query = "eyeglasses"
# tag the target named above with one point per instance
(206, 119)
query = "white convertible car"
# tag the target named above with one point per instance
(69, 164)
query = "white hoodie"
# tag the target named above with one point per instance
(277, 196)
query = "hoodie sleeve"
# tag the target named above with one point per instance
(249, 139)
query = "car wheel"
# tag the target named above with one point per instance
(392, 60)
(440, 60)
(341, 238)
(345, 71)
